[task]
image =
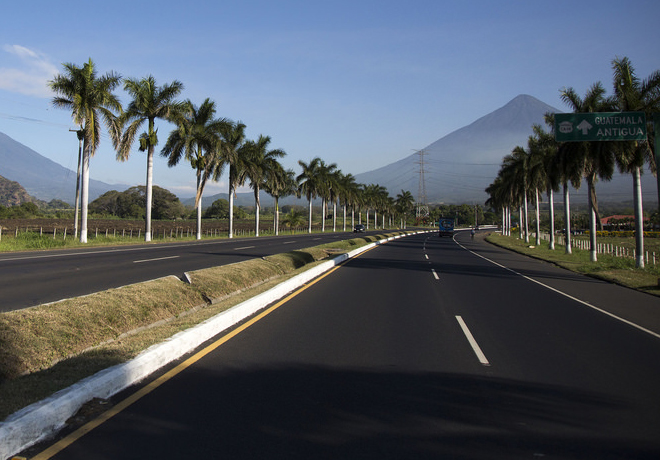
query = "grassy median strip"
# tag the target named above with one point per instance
(47, 348)
(614, 269)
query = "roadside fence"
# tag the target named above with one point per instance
(601, 248)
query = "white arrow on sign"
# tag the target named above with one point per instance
(584, 126)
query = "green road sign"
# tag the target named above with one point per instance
(600, 126)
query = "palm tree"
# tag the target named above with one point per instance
(633, 95)
(280, 182)
(90, 100)
(538, 179)
(234, 154)
(309, 183)
(405, 202)
(149, 103)
(347, 195)
(261, 161)
(497, 198)
(515, 172)
(326, 183)
(596, 158)
(197, 138)
(334, 187)
(548, 146)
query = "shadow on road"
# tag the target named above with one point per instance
(311, 412)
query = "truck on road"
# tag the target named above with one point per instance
(446, 227)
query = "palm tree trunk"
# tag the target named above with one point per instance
(639, 218)
(150, 178)
(323, 215)
(344, 216)
(309, 229)
(198, 204)
(567, 219)
(257, 205)
(77, 212)
(231, 207)
(551, 202)
(334, 215)
(526, 221)
(276, 218)
(84, 192)
(537, 214)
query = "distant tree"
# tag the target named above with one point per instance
(58, 204)
(219, 209)
(29, 208)
(106, 204)
(130, 204)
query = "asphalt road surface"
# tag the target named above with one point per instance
(418, 349)
(33, 278)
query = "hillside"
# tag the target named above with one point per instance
(42, 178)
(12, 193)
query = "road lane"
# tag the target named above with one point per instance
(33, 278)
(371, 362)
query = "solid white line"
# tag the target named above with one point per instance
(435, 274)
(587, 304)
(473, 342)
(153, 260)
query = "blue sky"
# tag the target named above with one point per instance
(358, 83)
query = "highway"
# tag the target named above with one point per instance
(421, 348)
(37, 277)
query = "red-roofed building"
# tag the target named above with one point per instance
(620, 222)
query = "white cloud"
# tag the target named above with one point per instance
(30, 74)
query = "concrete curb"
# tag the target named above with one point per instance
(42, 419)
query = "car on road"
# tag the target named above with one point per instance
(359, 228)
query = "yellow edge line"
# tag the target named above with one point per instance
(120, 406)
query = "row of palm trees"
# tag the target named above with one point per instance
(546, 165)
(208, 143)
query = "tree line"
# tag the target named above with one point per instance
(546, 166)
(210, 144)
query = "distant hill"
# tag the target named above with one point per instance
(12, 193)
(459, 166)
(43, 178)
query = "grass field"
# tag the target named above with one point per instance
(620, 270)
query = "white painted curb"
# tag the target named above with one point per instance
(44, 418)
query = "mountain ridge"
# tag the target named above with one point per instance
(460, 165)
(41, 177)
